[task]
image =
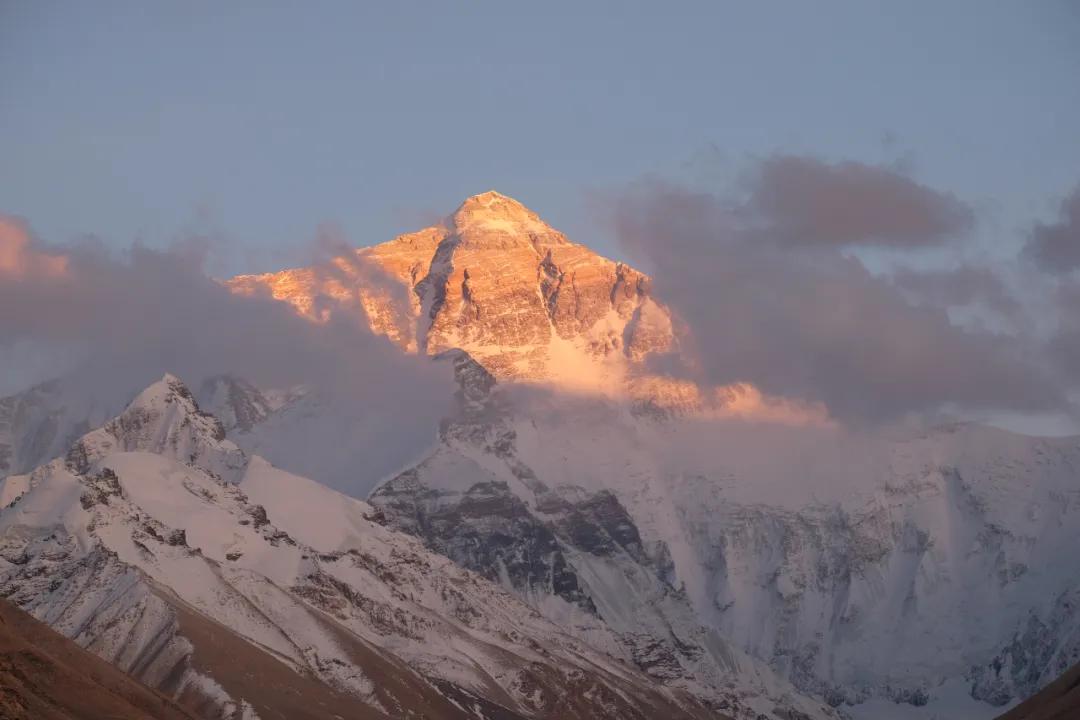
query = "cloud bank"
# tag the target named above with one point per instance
(804, 201)
(772, 294)
(122, 321)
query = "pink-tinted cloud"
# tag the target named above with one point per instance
(18, 256)
(806, 321)
(125, 320)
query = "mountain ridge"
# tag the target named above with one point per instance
(151, 528)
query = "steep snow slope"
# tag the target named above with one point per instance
(858, 568)
(139, 546)
(951, 560)
(575, 554)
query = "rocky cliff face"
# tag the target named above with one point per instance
(574, 553)
(497, 281)
(936, 568)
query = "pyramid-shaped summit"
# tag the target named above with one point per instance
(493, 212)
(495, 280)
(495, 201)
(163, 419)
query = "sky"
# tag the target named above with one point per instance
(256, 123)
(872, 208)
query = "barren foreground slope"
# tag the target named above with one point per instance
(45, 676)
(1060, 700)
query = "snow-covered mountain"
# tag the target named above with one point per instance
(245, 591)
(574, 554)
(726, 547)
(896, 572)
(917, 574)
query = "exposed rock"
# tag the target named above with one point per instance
(492, 279)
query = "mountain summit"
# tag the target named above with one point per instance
(493, 211)
(498, 282)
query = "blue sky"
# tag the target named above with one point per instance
(259, 121)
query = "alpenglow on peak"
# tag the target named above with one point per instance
(492, 210)
(497, 281)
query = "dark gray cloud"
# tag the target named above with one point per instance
(804, 201)
(1055, 247)
(807, 321)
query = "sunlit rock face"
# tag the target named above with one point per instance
(495, 280)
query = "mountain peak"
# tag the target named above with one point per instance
(492, 211)
(170, 395)
(168, 388)
(165, 419)
(497, 281)
(489, 198)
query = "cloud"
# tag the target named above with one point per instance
(1064, 345)
(124, 321)
(807, 321)
(338, 264)
(1055, 248)
(804, 201)
(966, 286)
(18, 256)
